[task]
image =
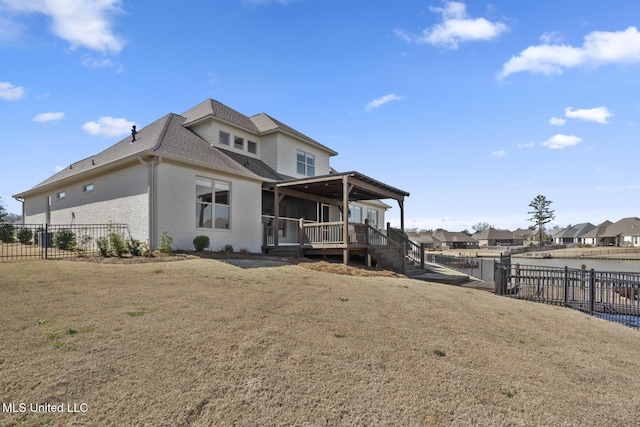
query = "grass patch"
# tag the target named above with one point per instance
(439, 353)
(339, 335)
(139, 312)
(507, 393)
(344, 299)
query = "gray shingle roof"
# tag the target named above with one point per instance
(494, 234)
(598, 231)
(578, 230)
(166, 136)
(625, 227)
(256, 166)
(258, 124)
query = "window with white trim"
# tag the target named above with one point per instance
(87, 188)
(306, 163)
(61, 195)
(224, 138)
(252, 147)
(238, 143)
(213, 203)
(372, 216)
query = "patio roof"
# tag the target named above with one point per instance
(330, 188)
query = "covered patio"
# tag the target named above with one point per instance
(338, 189)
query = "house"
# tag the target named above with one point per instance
(594, 237)
(454, 239)
(625, 232)
(425, 238)
(573, 235)
(529, 236)
(252, 182)
(493, 237)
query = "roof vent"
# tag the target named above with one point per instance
(93, 162)
(70, 166)
(133, 133)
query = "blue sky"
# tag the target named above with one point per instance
(473, 107)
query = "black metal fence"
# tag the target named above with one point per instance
(58, 241)
(614, 296)
(481, 268)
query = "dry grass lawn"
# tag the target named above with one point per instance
(202, 342)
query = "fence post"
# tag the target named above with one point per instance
(46, 239)
(421, 255)
(592, 291)
(566, 285)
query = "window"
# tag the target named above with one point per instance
(87, 188)
(372, 216)
(213, 203)
(252, 147)
(224, 138)
(355, 214)
(306, 163)
(61, 195)
(238, 143)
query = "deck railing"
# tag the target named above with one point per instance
(332, 233)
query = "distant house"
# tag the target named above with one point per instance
(493, 237)
(250, 182)
(454, 239)
(594, 237)
(573, 235)
(529, 236)
(625, 232)
(426, 238)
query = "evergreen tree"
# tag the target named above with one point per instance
(3, 211)
(541, 213)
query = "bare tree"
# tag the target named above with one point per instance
(481, 226)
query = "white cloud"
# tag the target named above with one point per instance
(551, 37)
(560, 141)
(526, 145)
(86, 23)
(599, 48)
(10, 92)
(456, 27)
(499, 153)
(555, 121)
(91, 62)
(108, 126)
(48, 117)
(381, 101)
(598, 115)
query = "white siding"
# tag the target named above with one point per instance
(287, 157)
(176, 204)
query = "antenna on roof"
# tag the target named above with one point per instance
(133, 133)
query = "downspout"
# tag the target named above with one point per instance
(21, 200)
(152, 177)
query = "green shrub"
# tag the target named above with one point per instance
(135, 247)
(64, 239)
(6, 232)
(25, 235)
(118, 245)
(227, 249)
(103, 246)
(201, 243)
(165, 243)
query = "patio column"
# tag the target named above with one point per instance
(404, 246)
(345, 219)
(276, 215)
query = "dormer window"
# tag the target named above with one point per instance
(224, 138)
(238, 143)
(306, 163)
(252, 147)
